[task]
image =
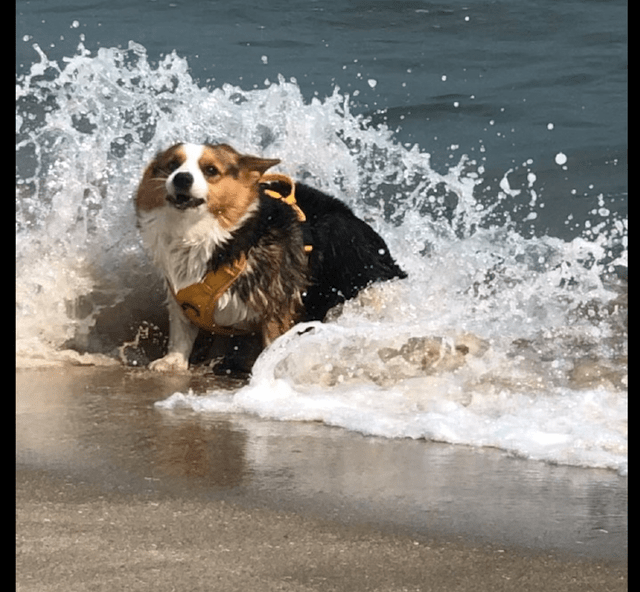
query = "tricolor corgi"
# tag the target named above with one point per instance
(243, 251)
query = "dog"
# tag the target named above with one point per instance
(246, 252)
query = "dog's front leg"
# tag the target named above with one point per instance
(275, 327)
(182, 335)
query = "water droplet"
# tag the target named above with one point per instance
(561, 158)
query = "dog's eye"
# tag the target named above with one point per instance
(210, 170)
(172, 165)
(168, 168)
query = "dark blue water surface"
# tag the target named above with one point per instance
(503, 82)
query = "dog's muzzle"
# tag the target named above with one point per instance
(182, 198)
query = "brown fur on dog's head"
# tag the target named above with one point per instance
(224, 179)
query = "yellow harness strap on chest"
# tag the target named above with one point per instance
(198, 301)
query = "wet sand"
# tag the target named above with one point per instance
(113, 494)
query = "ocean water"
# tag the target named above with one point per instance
(485, 141)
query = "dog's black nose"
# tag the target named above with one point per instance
(183, 180)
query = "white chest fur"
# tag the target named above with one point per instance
(181, 243)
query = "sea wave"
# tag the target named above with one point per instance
(498, 338)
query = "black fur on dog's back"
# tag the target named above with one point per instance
(347, 254)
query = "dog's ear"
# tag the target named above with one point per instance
(255, 164)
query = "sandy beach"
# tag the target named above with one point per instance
(112, 494)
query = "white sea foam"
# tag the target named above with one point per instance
(496, 339)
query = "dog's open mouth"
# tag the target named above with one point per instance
(183, 201)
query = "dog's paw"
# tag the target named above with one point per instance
(174, 362)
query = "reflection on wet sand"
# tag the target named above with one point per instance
(213, 454)
(100, 426)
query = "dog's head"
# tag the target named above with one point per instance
(203, 177)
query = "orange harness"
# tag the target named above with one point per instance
(198, 301)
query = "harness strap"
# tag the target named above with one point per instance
(198, 301)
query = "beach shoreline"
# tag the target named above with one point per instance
(112, 493)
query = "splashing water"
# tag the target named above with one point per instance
(497, 339)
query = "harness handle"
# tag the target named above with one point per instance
(289, 198)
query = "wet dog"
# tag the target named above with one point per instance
(243, 251)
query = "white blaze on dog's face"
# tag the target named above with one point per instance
(214, 179)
